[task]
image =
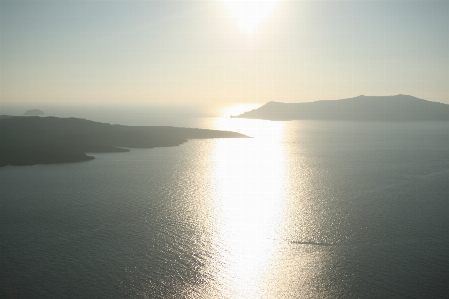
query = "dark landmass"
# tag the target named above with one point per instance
(361, 108)
(48, 140)
(34, 112)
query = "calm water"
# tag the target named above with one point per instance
(305, 209)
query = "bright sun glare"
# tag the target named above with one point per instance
(249, 14)
(249, 193)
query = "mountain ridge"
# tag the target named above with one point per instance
(361, 108)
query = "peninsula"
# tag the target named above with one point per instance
(29, 140)
(361, 108)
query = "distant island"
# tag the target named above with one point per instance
(47, 140)
(34, 112)
(361, 108)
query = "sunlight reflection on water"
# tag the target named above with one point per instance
(261, 188)
(249, 197)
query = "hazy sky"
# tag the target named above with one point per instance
(221, 51)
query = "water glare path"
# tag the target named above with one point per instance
(249, 194)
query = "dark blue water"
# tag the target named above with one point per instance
(303, 210)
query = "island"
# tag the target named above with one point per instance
(34, 112)
(48, 140)
(361, 108)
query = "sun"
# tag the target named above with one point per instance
(249, 14)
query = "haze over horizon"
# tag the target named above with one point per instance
(219, 52)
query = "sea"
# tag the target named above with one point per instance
(303, 209)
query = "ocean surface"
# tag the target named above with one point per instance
(304, 209)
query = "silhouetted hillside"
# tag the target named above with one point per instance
(47, 140)
(361, 108)
(34, 112)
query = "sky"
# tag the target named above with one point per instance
(221, 51)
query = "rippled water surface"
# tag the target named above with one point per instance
(305, 209)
